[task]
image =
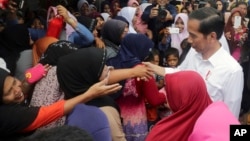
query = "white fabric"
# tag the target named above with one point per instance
(176, 39)
(143, 6)
(3, 64)
(224, 43)
(128, 13)
(105, 16)
(223, 76)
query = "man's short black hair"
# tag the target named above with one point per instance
(211, 20)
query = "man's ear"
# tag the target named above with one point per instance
(213, 36)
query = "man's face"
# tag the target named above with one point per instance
(243, 9)
(197, 40)
(12, 92)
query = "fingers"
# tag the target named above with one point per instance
(107, 89)
(113, 88)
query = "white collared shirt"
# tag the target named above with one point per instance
(223, 76)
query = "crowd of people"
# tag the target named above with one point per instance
(135, 70)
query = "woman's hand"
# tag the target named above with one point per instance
(47, 67)
(62, 11)
(36, 73)
(101, 89)
(99, 43)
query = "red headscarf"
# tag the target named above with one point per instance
(187, 97)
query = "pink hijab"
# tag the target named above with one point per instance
(69, 28)
(214, 124)
(176, 39)
(187, 97)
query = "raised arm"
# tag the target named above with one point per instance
(48, 114)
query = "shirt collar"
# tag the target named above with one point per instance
(214, 58)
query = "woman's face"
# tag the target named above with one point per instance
(116, 6)
(136, 16)
(12, 92)
(100, 23)
(125, 32)
(85, 9)
(179, 24)
(106, 8)
(219, 5)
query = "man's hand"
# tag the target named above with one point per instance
(142, 72)
(154, 12)
(169, 17)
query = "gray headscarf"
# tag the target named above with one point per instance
(112, 31)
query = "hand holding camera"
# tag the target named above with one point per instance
(154, 11)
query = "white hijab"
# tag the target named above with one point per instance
(128, 13)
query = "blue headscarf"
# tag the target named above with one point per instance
(134, 49)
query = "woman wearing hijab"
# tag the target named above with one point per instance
(187, 101)
(112, 33)
(129, 13)
(19, 120)
(77, 71)
(140, 25)
(131, 99)
(180, 22)
(83, 7)
(41, 95)
(236, 36)
(209, 127)
(74, 31)
(40, 46)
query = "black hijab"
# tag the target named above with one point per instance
(57, 50)
(78, 71)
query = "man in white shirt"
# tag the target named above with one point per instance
(221, 72)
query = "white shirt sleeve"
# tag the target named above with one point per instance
(171, 70)
(233, 92)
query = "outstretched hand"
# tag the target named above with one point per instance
(101, 89)
(143, 72)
